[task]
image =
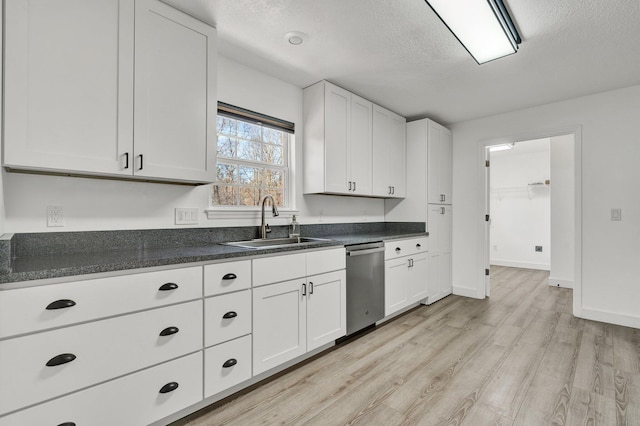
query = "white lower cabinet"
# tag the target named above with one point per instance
(44, 365)
(293, 317)
(405, 273)
(405, 282)
(439, 223)
(136, 399)
(227, 365)
(279, 324)
(326, 308)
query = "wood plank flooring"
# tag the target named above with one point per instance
(517, 358)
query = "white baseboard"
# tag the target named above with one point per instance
(467, 292)
(557, 282)
(609, 317)
(526, 265)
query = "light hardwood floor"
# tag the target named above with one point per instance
(518, 358)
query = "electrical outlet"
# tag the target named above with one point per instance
(55, 216)
(186, 216)
(539, 249)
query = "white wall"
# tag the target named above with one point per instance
(94, 204)
(562, 211)
(608, 146)
(520, 212)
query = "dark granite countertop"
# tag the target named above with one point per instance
(46, 256)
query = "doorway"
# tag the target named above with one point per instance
(562, 192)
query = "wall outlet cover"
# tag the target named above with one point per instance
(186, 216)
(539, 249)
(55, 216)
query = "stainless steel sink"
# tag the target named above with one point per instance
(275, 242)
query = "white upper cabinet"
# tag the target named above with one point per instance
(69, 85)
(175, 95)
(70, 70)
(439, 164)
(337, 147)
(389, 154)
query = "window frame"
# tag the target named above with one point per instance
(253, 212)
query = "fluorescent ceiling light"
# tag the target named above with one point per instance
(483, 27)
(502, 147)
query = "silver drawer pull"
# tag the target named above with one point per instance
(230, 314)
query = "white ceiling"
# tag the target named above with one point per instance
(399, 55)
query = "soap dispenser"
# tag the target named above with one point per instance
(294, 228)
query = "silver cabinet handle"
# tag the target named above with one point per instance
(349, 185)
(393, 189)
(141, 162)
(310, 287)
(304, 289)
(441, 210)
(354, 185)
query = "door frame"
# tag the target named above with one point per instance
(483, 191)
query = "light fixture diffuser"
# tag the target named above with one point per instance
(502, 147)
(483, 27)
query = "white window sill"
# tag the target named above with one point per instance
(247, 213)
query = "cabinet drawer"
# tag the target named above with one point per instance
(406, 247)
(321, 261)
(226, 277)
(130, 400)
(236, 307)
(25, 310)
(274, 269)
(219, 368)
(102, 350)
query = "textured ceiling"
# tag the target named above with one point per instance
(399, 55)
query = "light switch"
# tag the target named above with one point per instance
(616, 215)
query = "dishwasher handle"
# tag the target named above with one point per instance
(363, 252)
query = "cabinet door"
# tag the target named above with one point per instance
(397, 156)
(175, 95)
(337, 111)
(69, 85)
(439, 164)
(418, 275)
(326, 308)
(439, 224)
(389, 150)
(360, 145)
(396, 277)
(435, 152)
(447, 165)
(279, 324)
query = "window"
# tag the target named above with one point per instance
(252, 158)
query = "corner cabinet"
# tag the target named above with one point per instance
(389, 153)
(351, 146)
(74, 74)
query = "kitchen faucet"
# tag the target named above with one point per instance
(264, 229)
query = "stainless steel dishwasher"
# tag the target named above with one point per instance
(365, 285)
